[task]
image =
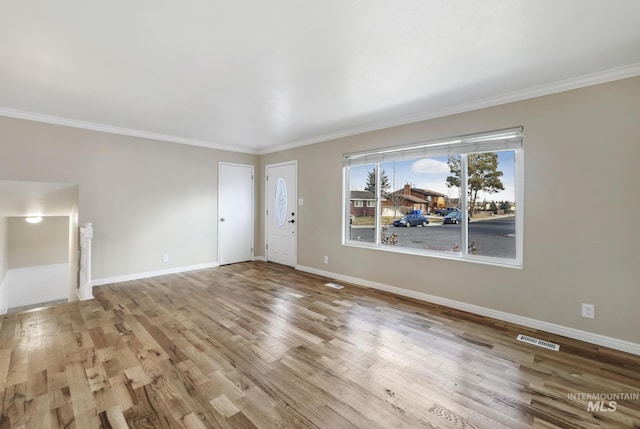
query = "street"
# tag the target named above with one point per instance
(492, 237)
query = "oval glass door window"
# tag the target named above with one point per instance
(280, 202)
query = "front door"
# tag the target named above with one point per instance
(282, 213)
(235, 213)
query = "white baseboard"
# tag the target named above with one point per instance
(260, 258)
(601, 340)
(146, 275)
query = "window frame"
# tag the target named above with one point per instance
(493, 141)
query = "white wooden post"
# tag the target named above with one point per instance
(84, 287)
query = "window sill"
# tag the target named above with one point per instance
(452, 256)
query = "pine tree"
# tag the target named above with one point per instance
(371, 182)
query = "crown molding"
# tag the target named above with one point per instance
(510, 97)
(94, 126)
(610, 75)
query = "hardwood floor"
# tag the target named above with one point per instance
(258, 345)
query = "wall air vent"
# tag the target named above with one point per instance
(539, 343)
(333, 285)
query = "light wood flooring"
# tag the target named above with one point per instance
(258, 345)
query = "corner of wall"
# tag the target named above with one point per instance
(4, 306)
(74, 252)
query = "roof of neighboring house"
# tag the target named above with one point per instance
(427, 192)
(424, 192)
(412, 198)
(434, 193)
(362, 195)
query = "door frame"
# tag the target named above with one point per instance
(266, 207)
(253, 215)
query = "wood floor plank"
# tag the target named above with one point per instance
(17, 373)
(84, 407)
(113, 418)
(37, 412)
(258, 345)
(14, 405)
(62, 417)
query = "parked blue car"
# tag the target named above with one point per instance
(445, 211)
(453, 217)
(411, 220)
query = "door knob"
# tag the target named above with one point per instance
(221, 219)
(292, 221)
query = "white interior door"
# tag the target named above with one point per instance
(282, 213)
(235, 213)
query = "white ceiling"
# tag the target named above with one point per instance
(257, 76)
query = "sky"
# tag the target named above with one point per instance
(431, 173)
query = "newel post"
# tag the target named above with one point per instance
(84, 284)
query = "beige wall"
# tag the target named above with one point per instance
(44, 243)
(579, 145)
(145, 198)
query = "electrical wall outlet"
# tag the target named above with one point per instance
(588, 311)
(326, 259)
(165, 257)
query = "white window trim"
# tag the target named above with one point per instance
(508, 139)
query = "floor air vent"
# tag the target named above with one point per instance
(539, 343)
(333, 285)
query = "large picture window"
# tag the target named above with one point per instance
(458, 198)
